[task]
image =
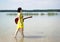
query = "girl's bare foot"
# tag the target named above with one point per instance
(14, 36)
(22, 36)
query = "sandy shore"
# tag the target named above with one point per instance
(9, 37)
(25, 39)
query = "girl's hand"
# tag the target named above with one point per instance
(30, 16)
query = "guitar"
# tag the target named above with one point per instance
(28, 17)
(16, 19)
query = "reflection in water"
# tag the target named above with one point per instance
(35, 14)
(19, 40)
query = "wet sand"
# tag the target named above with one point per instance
(9, 37)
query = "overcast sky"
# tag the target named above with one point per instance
(30, 4)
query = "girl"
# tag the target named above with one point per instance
(20, 23)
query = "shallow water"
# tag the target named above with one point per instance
(40, 28)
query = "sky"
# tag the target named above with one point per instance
(29, 4)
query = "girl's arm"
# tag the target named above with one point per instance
(27, 17)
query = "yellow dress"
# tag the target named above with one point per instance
(20, 23)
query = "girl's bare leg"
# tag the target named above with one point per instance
(16, 33)
(21, 31)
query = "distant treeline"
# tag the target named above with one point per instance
(49, 10)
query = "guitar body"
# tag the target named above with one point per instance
(16, 20)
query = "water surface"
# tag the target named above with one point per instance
(40, 28)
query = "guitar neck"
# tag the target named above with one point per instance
(27, 17)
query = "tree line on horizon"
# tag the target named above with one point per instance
(47, 10)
